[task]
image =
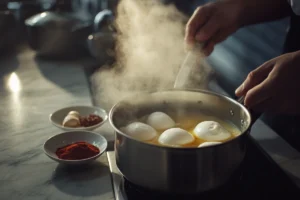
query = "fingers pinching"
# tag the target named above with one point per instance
(208, 30)
(199, 17)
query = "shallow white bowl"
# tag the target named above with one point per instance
(58, 116)
(69, 137)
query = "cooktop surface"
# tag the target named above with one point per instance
(259, 178)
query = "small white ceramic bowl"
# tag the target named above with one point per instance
(69, 137)
(58, 116)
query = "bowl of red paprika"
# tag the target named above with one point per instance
(75, 147)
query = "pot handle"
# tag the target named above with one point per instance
(104, 17)
(254, 115)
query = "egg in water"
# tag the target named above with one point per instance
(160, 121)
(206, 144)
(140, 131)
(175, 137)
(211, 131)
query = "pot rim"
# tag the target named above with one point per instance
(247, 130)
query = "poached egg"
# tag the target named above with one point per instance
(175, 137)
(160, 121)
(211, 131)
(139, 131)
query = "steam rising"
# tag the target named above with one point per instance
(149, 50)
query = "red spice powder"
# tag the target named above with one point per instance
(77, 151)
(90, 120)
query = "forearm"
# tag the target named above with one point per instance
(259, 11)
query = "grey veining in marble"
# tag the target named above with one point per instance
(30, 90)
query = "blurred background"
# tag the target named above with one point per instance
(75, 29)
(60, 29)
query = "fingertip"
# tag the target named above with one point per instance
(188, 39)
(188, 44)
(239, 90)
(208, 49)
(251, 99)
(187, 47)
(190, 31)
(247, 102)
(238, 94)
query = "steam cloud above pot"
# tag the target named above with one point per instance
(149, 49)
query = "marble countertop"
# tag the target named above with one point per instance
(31, 89)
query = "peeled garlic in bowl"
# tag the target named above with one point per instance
(72, 119)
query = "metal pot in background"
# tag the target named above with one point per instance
(179, 170)
(24, 9)
(57, 34)
(101, 43)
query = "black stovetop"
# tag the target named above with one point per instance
(259, 178)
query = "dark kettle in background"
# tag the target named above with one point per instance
(24, 9)
(58, 34)
(101, 43)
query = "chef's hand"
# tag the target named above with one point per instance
(274, 87)
(212, 23)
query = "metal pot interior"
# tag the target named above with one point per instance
(179, 102)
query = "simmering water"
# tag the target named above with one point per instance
(190, 121)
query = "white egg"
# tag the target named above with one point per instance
(211, 131)
(205, 144)
(175, 137)
(140, 131)
(160, 121)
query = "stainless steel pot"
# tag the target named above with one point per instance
(179, 170)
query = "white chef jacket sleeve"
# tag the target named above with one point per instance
(295, 4)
